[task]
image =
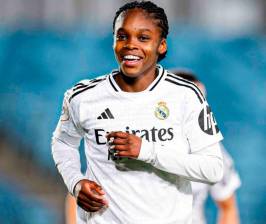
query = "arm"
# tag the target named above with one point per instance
(65, 148)
(73, 214)
(205, 165)
(228, 211)
(70, 209)
(65, 151)
(223, 193)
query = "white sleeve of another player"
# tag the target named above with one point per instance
(204, 163)
(65, 147)
(81, 216)
(230, 181)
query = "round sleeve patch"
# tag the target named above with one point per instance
(207, 121)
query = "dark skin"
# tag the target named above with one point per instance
(91, 196)
(137, 45)
(136, 33)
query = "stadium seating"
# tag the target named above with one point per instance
(16, 207)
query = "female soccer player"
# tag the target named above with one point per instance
(147, 132)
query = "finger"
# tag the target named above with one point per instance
(120, 148)
(117, 134)
(93, 196)
(97, 188)
(122, 154)
(120, 141)
(89, 208)
(91, 186)
(117, 141)
(84, 199)
(97, 194)
(110, 141)
(88, 196)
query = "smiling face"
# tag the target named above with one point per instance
(137, 43)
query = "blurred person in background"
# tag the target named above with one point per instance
(143, 144)
(73, 213)
(71, 210)
(223, 193)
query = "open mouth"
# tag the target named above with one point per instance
(131, 60)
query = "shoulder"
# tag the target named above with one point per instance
(82, 87)
(184, 87)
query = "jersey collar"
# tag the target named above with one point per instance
(151, 87)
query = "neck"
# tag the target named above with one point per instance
(138, 83)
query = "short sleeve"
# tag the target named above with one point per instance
(200, 126)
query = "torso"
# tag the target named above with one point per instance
(136, 190)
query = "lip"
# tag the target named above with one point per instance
(131, 63)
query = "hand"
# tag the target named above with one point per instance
(90, 197)
(124, 144)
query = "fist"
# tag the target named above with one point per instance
(90, 196)
(123, 144)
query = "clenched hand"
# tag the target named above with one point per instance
(90, 196)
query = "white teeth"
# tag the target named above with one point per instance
(131, 57)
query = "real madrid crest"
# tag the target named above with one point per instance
(161, 111)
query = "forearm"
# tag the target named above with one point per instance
(228, 211)
(204, 166)
(70, 209)
(230, 217)
(67, 161)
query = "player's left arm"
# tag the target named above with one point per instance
(205, 165)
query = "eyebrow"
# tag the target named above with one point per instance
(141, 30)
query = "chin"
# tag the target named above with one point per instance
(130, 72)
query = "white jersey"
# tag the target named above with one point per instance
(179, 143)
(219, 191)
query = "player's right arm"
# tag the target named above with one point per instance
(65, 150)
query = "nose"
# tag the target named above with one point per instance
(130, 44)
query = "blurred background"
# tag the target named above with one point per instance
(46, 46)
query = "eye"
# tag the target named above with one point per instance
(121, 36)
(144, 38)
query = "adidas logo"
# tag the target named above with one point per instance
(106, 115)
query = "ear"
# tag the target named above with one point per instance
(162, 47)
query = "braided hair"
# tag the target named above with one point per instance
(157, 13)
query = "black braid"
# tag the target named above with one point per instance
(156, 13)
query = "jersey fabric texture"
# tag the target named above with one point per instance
(174, 121)
(219, 191)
